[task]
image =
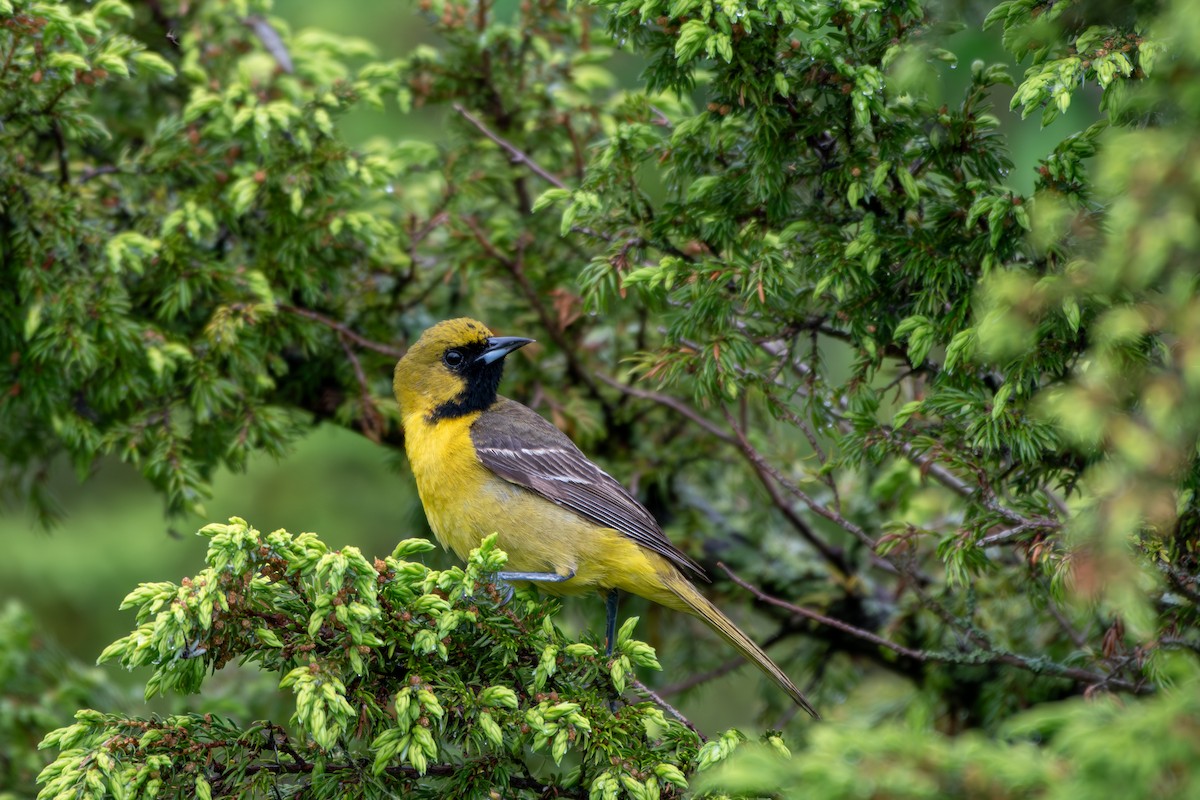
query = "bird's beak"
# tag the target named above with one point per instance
(500, 346)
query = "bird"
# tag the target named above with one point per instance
(486, 464)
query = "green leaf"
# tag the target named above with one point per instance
(693, 37)
(1000, 401)
(153, 64)
(412, 547)
(33, 320)
(550, 197)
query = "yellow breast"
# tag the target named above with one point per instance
(465, 501)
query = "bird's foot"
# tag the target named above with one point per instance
(193, 650)
(491, 588)
(502, 590)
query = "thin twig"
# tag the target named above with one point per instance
(927, 465)
(960, 487)
(665, 706)
(361, 341)
(281, 743)
(670, 402)
(372, 421)
(760, 462)
(1010, 535)
(1174, 642)
(519, 156)
(985, 655)
(92, 172)
(822, 456)
(821, 618)
(271, 41)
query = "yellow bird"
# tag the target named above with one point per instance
(484, 464)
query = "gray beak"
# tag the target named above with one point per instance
(500, 346)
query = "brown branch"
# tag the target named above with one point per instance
(92, 172)
(844, 627)
(342, 330)
(1176, 642)
(986, 655)
(670, 402)
(372, 421)
(281, 743)
(926, 463)
(833, 555)
(670, 709)
(762, 464)
(822, 456)
(960, 487)
(363, 766)
(518, 156)
(271, 41)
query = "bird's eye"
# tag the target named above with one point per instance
(454, 359)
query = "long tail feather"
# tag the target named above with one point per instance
(712, 616)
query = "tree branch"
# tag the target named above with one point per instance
(766, 467)
(985, 655)
(670, 402)
(342, 330)
(844, 627)
(519, 156)
(831, 554)
(371, 422)
(670, 709)
(363, 766)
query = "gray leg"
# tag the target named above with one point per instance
(610, 620)
(539, 577)
(504, 588)
(610, 632)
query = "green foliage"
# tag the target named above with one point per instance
(153, 256)
(1075, 750)
(39, 687)
(405, 680)
(783, 285)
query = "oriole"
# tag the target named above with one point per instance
(484, 464)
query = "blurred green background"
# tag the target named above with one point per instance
(114, 534)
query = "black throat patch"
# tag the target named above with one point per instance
(483, 383)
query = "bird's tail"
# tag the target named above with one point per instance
(698, 605)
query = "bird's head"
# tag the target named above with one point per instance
(452, 370)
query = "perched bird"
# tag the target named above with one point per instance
(484, 464)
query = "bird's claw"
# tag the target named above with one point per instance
(497, 589)
(193, 650)
(503, 591)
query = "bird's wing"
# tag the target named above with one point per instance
(520, 446)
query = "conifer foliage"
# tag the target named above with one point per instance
(939, 433)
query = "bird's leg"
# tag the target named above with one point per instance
(610, 620)
(610, 632)
(537, 577)
(193, 650)
(505, 589)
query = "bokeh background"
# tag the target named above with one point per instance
(113, 533)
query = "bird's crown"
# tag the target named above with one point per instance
(460, 332)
